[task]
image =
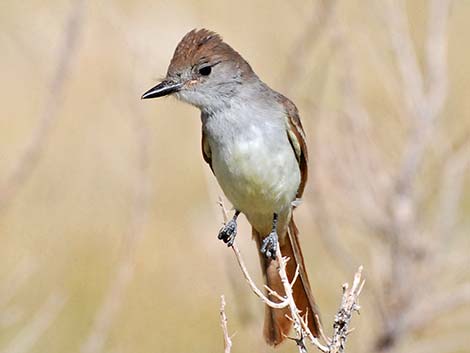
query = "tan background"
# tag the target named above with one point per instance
(108, 231)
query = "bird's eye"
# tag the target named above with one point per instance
(205, 71)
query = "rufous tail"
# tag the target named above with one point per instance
(276, 324)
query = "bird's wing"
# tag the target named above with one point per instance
(296, 135)
(206, 150)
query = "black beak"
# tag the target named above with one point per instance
(164, 88)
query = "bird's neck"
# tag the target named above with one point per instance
(252, 94)
(245, 117)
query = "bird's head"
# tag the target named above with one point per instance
(204, 71)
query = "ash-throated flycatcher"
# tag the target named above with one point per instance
(253, 140)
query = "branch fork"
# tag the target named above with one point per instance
(349, 305)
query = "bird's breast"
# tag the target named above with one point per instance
(256, 168)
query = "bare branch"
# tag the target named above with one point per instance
(25, 339)
(33, 151)
(453, 179)
(410, 72)
(300, 325)
(349, 304)
(252, 284)
(117, 289)
(223, 323)
(245, 272)
(436, 56)
(306, 42)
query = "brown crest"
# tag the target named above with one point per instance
(201, 46)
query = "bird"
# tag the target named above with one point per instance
(255, 145)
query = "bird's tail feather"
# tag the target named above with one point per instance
(276, 324)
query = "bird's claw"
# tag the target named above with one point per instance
(269, 245)
(228, 232)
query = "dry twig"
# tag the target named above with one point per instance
(117, 289)
(223, 323)
(349, 303)
(33, 151)
(41, 321)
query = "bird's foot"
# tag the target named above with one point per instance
(229, 231)
(269, 245)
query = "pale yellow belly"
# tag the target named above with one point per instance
(258, 180)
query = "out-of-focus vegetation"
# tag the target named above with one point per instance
(108, 214)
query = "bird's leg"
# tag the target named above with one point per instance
(269, 245)
(229, 230)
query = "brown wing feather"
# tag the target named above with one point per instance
(296, 136)
(206, 150)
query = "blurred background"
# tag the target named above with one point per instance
(109, 216)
